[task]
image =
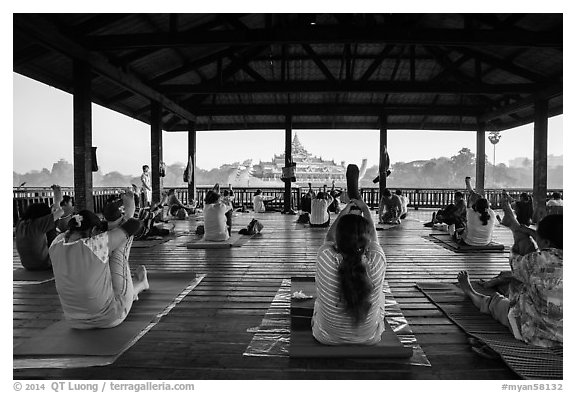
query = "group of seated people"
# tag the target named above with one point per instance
(90, 264)
(89, 259)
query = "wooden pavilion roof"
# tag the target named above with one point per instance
(328, 71)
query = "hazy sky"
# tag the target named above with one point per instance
(42, 134)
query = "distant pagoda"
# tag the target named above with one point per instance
(309, 168)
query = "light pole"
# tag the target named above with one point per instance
(494, 138)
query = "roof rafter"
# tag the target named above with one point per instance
(44, 32)
(333, 34)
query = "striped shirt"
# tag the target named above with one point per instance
(330, 322)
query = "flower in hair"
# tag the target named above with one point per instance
(78, 219)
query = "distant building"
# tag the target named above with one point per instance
(309, 168)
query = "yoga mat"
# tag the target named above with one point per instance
(235, 240)
(528, 361)
(448, 242)
(272, 336)
(304, 345)
(385, 227)
(82, 348)
(150, 242)
(23, 276)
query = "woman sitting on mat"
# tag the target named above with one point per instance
(258, 201)
(36, 230)
(95, 288)
(350, 267)
(319, 217)
(480, 221)
(215, 228)
(533, 310)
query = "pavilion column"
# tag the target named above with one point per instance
(82, 107)
(480, 158)
(540, 158)
(156, 149)
(384, 160)
(192, 156)
(287, 162)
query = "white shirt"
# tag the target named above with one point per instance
(555, 202)
(405, 201)
(215, 228)
(258, 201)
(477, 234)
(319, 214)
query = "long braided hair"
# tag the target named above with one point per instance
(482, 207)
(355, 286)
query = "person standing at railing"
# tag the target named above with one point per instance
(146, 186)
(36, 230)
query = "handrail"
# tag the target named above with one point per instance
(418, 197)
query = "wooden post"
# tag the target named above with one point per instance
(192, 154)
(383, 167)
(480, 158)
(288, 161)
(540, 158)
(156, 149)
(82, 106)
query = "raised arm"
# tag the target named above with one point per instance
(57, 195)
(473, 195)
(128, 202)
(368, 216)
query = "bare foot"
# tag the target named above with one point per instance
(142, 277)
(464, 282)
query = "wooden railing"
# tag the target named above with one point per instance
(419, 197)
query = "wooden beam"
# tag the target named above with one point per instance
(540, 158)
(503, 64)
(192, 156)
(287, 162)
(332, 34)
(44, 32)
(552, 90)
(156, 150)
(336, 109)
(480, 158)
(384, 161)
(376, 63)
(319, 62)
(354, 86)
(82, 107)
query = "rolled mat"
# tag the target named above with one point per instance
(528, 361)
(448, 242)
(24, 276)
(304, 345)
(58, 339)
(352, 174)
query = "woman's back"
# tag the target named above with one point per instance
(331, 324)
(476, 233)
(215, 222)
(83, 280)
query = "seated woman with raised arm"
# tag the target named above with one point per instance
(95, 288)
(533, 310)
(480, 220)
(350, 267)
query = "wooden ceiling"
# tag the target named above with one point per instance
(327, 71)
